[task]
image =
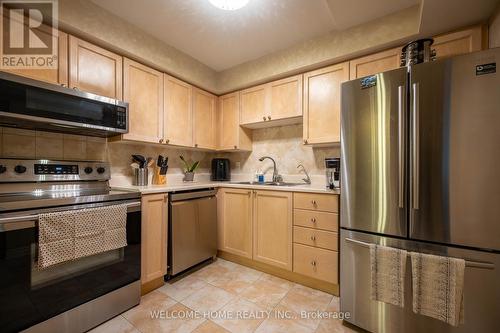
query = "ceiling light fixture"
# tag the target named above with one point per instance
(229, 4)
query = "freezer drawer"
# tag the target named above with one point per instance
(481, 291)
(193, 233)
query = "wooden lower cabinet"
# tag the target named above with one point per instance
(272, 228)
(315, 262)
(234, 227)
(154, 235)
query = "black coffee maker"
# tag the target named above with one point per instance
(332, 165)
(221, 169)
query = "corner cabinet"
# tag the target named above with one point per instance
(231, 135)
(95, 70)
(234, 221)
(178, 115)
(204, 119)
(322, 104)
(58, 75)
(272, 228)
(143, 90)
(154, 237)
(460, 42)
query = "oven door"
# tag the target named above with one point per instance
(29, 296)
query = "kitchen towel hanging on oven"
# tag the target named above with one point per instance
(69, 235)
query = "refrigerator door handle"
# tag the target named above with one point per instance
(416, 146)
(468, 263)
(401, 144)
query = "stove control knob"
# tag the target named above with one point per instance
(20, 169)
(3, 168)
(101, 170)
(88, 170)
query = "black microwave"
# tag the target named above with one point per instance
(31, 104)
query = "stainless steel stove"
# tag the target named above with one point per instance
(62, 298)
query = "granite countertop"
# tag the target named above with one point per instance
(203, 184)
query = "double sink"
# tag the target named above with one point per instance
(269, 183)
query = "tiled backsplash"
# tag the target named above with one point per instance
(284, 144)
(21, 143)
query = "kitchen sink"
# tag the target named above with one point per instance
(269, 183)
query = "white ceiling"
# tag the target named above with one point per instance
(223, 39)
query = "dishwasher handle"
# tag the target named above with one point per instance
(192, 195)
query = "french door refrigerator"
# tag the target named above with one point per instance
(421, 171)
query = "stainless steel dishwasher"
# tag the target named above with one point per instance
(193, 229)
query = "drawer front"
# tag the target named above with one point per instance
(317, 263)
(317, 238)
(316, 220)
(313, 201)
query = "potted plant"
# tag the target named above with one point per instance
(189, 169)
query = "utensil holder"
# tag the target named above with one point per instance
(140, 177)
(157, 178)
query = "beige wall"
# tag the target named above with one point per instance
(102, 27)
(284, 144)
(324, 50)
(494, 29)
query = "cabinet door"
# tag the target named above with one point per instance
(231, 135)
(178, 119)
(272, 228)
(143, 90)
(254, 104)
(460, 42)
(94, 69)
(322, 104)
(154, 237)
(375, 63)
(235, 221)
(286, 98)
(204, 114)
(56, 76)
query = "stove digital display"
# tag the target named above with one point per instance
(55, 169)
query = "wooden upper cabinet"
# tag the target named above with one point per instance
(154, 237)
(205, 119)
(322, 104)
(143, 90)
(272, 228)
(234, 218)
(178, 115)
(286, 98)
(375, 63)
(58, 75)
(231, 135)
(254, 104)
(460, 42)
(94, 69)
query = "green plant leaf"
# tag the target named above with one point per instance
(186, 164)
(194, 166)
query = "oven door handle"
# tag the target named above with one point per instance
(29, 221)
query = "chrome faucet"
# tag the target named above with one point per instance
(276, 177)
(307, 180)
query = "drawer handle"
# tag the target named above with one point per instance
(313, 238)
(313, 202)
(264, 118)
(313, 263)
(313, 219)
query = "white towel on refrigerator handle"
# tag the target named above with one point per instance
(388, 268)
(438, 286)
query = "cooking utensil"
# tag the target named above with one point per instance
(134, 165)
(140, 159)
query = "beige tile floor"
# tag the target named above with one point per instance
(253, 302)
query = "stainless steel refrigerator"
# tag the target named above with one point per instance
(421, 171)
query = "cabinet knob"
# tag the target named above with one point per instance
(167, 140)
(313, 219)
(63, 84)
(313, 202)
(196, 145)
(249, 192)
(160, 141)
(268, 117)
(75, 88)
(235, 147)
(264, 118)
(313, 238)
(313, 263)
(305, 141)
